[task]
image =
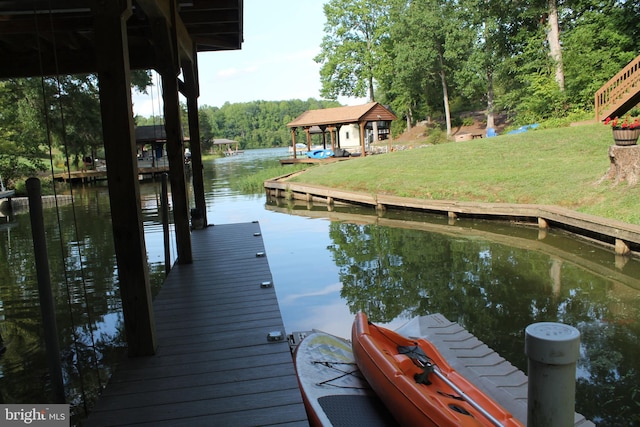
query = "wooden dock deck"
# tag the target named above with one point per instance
(99, 175)
(623, 238)
(214, 365)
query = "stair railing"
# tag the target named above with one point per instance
(618, 88)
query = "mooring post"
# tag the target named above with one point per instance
(553, 350)
(47, 305)
(164, 202)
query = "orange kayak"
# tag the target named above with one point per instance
(417, 384)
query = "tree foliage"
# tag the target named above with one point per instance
(352, 47)
(503, 54)
(22, 128)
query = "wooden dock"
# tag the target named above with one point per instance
(310, 161)
(216, 364)
(623, 238)
(100, 175)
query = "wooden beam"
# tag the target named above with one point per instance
(124, 190)
(175, 155)
(189, 70)
(308, 132)
(162, 9)
(167, 66)
(362, 145)
(293, 142)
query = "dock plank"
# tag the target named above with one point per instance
(214, 364)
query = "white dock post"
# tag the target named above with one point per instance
(553, 350)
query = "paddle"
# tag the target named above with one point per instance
(423, 361)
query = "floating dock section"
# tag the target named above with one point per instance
(478, 363)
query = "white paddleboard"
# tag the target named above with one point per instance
(334, 391)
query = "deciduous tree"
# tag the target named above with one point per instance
(351, 49)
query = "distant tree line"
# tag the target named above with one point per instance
(54, 123)
(255, 124)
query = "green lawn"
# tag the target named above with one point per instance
(553, 166)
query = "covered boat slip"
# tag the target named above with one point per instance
(215, 365)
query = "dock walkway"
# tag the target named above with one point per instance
(215, 365)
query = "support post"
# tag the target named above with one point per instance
(622, 248)
(165, 38)
(175, 154)
(47, 304)
(109, 18)
(293, 141)
(192, 93)
(164, 206)
(362, 138)
(307, 131)
(553, 350)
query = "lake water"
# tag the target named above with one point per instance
(493, 278)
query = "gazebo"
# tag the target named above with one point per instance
(331, 119)
(226, 144)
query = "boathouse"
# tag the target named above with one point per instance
(347, 126)
(109, 39)
(229, 147)
(151, 143)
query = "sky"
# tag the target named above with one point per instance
(281, 38)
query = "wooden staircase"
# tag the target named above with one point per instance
(620, 94)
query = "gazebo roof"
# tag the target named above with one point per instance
(223, 141)
(371, 111)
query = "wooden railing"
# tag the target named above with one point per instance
(619, 94)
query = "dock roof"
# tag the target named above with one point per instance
(58, 37)
(223, 141)
(371, 111)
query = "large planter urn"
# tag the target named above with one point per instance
(626, 136)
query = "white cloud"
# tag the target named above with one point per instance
(327, 290)
(232, 73)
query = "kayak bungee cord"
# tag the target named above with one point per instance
(330, 365)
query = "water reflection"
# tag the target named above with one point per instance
(495, 281)
(493, 278)
(88, 308)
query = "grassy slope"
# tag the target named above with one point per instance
(553, 166)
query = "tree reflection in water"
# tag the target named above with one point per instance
(495, 291)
